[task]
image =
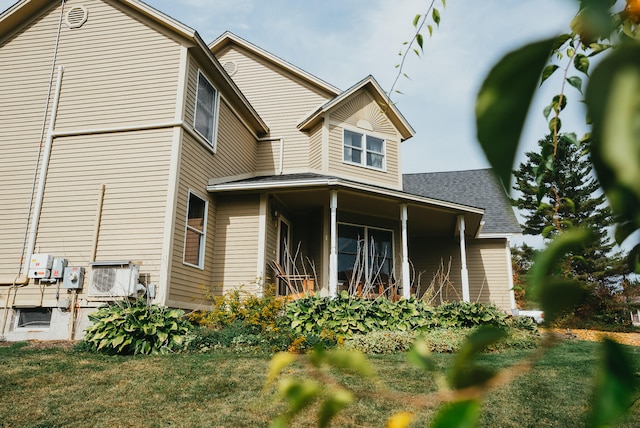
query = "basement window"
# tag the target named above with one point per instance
(36, 318)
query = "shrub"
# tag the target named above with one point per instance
(137, 328)
(259, 313)
(464, 314)
(381, 342)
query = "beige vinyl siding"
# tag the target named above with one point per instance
(235, 155)
(337, 166)
(315, 149)
(487, 262)
(486, 265)
(237, 227)
(268, 157)
(126, 78)
(281, 99)
(363, 107)
(118, 72)
(271, 251)
(132, 166)
(188, 283)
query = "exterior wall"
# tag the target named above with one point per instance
(364, 107)
(486, 264)
(315, 149)
(117, 72)
(282, 100)
(235, 252)
(235, 155)
(488, 272)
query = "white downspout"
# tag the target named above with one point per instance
(406, 280)
(463, 259)
(43, 173)
(512, 294)
(333, 255)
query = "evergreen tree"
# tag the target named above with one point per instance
(567, 194)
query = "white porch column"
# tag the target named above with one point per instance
(512, 294)
(406, 275)
(463, 259)
(333, 254)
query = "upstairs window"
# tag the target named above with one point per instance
(363, 149)
(195, 235)
(205, 120)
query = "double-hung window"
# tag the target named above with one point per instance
(205, 118)
(363, 149)
(195, 235)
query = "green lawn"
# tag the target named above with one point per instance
(58, 388)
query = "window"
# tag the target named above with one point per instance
(206, 109)
(37, 318)
(194, 240)
(363, 149)
(364, 254)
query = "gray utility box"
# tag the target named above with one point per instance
(73, 277)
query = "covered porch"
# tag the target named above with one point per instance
(325, 234)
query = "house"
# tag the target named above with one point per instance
(135, 159)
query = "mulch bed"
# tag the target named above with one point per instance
(632, 339)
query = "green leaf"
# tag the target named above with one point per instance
(459, 414)
(503, 102)
(416, 19)
(548, 71)
(337, 400)
(612, 105)
(436, 16)
(419, 41)
(615, 386)
(299, 393)
(558, 296)
(420, 355)
(570, 240)
(576, 82)
(430, 28)
(463, 372)
(555, 124)
(581, 63)
(353, 361)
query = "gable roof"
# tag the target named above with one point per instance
(479, 188)
(228, 38)
(372, 85)
(24, 10)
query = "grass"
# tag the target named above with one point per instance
(58, 388)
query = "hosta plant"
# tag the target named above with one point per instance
(137, 328)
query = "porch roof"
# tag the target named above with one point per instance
(364, 198)
(478, 187)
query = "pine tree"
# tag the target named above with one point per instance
(567, 195)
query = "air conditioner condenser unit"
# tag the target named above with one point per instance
(113, 279)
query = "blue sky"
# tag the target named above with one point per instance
(343, 41)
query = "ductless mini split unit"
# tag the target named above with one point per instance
(114, 279)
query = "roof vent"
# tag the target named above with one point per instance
(230, 67)
(76, 16)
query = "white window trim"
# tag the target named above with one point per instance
(203, 242)
(17, 327)
(366, 240)
(213, 144)
(364, 150)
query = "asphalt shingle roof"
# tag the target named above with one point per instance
(478, 188)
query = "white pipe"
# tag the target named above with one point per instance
(406, 280)
(333, 255)
(281, 167)
(43, 173)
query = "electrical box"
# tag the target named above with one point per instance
(40, 266)
(57, 269)
(73, 278)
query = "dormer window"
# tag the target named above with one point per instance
(363, 149)
(205, 121)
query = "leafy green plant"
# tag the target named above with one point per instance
(137, 328)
